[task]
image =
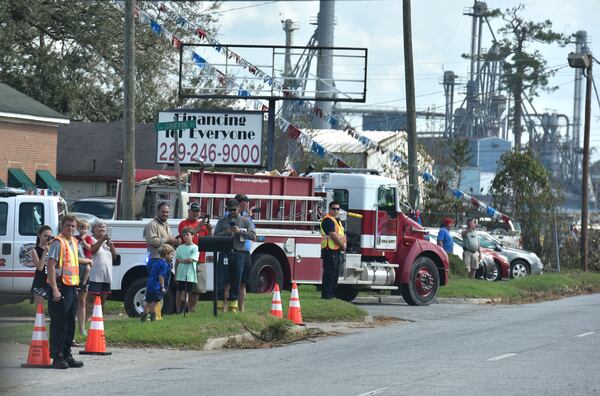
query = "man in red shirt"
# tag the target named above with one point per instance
(201, 228)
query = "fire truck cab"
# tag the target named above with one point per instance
(386, 249)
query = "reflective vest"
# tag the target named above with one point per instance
(68, 261)
(327, 242)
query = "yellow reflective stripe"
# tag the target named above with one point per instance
(69, 268)
(327, 241)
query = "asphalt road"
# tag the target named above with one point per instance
(550, 348)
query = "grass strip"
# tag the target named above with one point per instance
(192, 331)
(528, 289)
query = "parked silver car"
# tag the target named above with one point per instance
(522, 262)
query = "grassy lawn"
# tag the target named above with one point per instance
(531, 288)
(193, 330)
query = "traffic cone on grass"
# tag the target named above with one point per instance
(39, 353)
(96, 342)
(276, 309)
(294, 312)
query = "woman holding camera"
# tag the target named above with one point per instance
(39, 287)
(104, 253)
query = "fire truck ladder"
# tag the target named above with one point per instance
(280, 210)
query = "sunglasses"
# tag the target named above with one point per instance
(335, 208)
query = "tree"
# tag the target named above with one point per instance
(69, 55)
(525, 71)
(522, 188)
(439, 201)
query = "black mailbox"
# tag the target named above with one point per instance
(215, 244)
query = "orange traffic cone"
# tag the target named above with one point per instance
(294, 313)
(96, 343)
(39, 353)
(276, 309)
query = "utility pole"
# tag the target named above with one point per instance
(325, 82)
(586, 166)
(409, 78)
(128, 190)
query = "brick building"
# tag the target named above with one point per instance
(28, 139)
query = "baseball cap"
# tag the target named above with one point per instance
(195, 206)
(241, 198)
(447, 221)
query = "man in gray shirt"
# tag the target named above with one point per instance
(231, 264)
(471, 250)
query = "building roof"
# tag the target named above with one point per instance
(337, 141)
(95, 149)
(15, 104)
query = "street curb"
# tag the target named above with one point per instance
(400, 300)
(218, 343)
(213, 344)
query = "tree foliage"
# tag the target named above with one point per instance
(69, 55)
(522, 188)
(525, 71)
(439, 202)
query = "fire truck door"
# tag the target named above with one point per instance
(6, 244)
(386, 218)
(29, 218)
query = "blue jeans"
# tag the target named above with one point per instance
(230, 274)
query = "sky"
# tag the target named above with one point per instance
(441, 33)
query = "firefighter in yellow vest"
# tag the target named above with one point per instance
(64, 257)
(332, 246)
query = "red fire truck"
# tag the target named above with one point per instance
(386, 249)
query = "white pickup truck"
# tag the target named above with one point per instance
(21, 215)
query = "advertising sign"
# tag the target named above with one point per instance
(219, 137)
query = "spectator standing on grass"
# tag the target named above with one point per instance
(201, 228)
(86, 242)
(157, 234)
(39, 286)
(471, 248)
(231, 264)
(245, 212)
(186, 257)
(158, 281)
(104, 254)
(444, 239)
(63, 277)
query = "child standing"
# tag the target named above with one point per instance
(186, 259)
(158, 281)
(85, 266)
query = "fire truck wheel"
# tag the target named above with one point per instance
(424, 283)
(265, 272)
(346, 292)
(134, 299)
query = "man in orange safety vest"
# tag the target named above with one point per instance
(64, 257)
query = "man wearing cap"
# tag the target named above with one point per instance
(444, 239)
(245, 212)
(200, 228)
(231, 264)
